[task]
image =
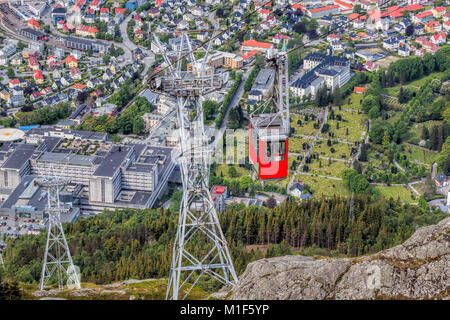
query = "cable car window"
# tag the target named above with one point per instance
(275, 150)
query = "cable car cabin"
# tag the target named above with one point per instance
(268, 149)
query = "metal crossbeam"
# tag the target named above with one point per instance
(200, 249)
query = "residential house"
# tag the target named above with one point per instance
(71, 62)
(438, 38)
(297, 189)
(433, 26)
(86, 31)
(33, 63)
(75, 73)
(441, 180)
(38, 77)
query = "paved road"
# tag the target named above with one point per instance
(398, 166)
(130, 46)
(234, 102)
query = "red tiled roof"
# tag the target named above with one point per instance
(298, 6)
(219, 189)
(345, 4)
(37, 74)
(359, 89)
(414, 7)
(250, 54)
(324, 8)
(257, 44)
(423, 14)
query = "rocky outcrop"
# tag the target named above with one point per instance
(417, 269)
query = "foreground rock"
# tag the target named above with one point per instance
(417, 269)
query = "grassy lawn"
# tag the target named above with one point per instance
(396, 192)
(323, 186)
(224, 168)
(420, 155)
(321, 167)
(341, 150)
(354, 100)
(414, 132)
(355, 123)
(422, 81)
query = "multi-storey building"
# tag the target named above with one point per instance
(117, 176)
(321, 70)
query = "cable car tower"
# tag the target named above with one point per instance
(198, 220)
(269, 123)
(57, 256)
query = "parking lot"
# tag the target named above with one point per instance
(15, 226)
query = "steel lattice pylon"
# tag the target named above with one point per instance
(198, 220)
(57, 256)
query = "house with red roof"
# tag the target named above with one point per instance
(279, 37)
(438, 12)
(50, 59)
(104, 14)
(298, 6)
(371, 66)
(423, 17)
(33, 24)
(345, 7)
(323, 11)
(427, 44)
(38, 77)
(71, 61)
(139, 34)
(433, 26)
(33, 63)
(86, 31)
(249, 54)
(69, 28)
(119, 10)
(359, 89)
(75, 73)
(438, 38)
(249, 45)
(263, 13)
(446, 25)
(95, 5)
(36, 95)
(13, 83)
(218, 195)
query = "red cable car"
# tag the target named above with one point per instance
(269, 131)
(268, 150)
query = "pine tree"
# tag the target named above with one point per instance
(434, 138)
(425, 133)
(386, 140)
(337, 98)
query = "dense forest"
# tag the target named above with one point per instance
(123, 244)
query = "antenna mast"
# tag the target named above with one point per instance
(198, 220)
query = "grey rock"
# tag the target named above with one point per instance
(417, 269)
